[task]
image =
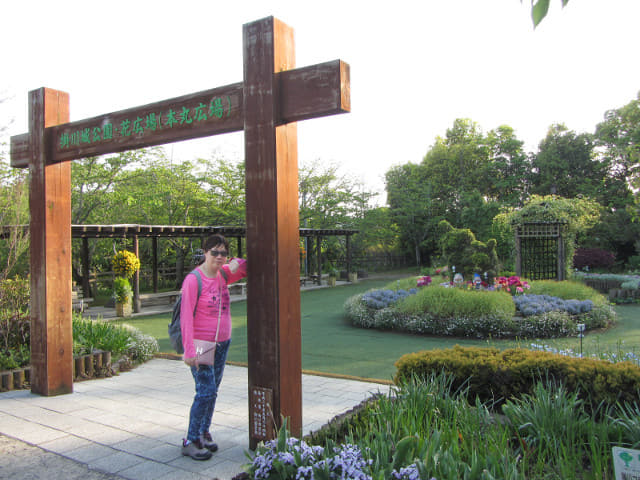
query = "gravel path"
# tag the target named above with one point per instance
(21, 461)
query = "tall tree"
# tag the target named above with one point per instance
(93, 181)
(413, 207)
(618, 141)
(14, 220)
(327, 198)
(565, 165)
(14, 213)
(508, 173)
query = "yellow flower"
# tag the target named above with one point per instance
(125, 263)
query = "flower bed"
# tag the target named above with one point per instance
(481, 313)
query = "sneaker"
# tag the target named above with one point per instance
(208, 443)
(195, 450)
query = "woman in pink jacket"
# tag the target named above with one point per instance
(212, 317)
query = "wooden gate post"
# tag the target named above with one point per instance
(50, 225)
(273, 301)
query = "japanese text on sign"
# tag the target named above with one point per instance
(262, 417)
(149, 123)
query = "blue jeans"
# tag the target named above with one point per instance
(207, 380)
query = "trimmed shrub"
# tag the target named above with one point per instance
(455, 302)
(492, 375)
(568, 290)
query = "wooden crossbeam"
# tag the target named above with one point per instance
(311, 92)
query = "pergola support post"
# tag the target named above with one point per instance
(86, 271)
(136, 278)
(154, 261)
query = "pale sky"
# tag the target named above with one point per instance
(415, 66)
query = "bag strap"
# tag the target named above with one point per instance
(224, 275)
(197, 274)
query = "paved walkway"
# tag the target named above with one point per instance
(131, 425)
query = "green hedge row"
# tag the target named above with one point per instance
(494, 375)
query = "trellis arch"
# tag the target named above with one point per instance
(540, 250)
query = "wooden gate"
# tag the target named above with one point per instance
(540, 251)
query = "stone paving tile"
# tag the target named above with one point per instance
(134, 415)
(225, 470)
(182, 475)
(115, 463)
(147, 470)
(163, 453)
(89, 453)
(65, 444)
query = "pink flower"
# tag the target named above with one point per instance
(424, 281)
(519, 289)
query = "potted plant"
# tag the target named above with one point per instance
(123, 295)
(125, 265)
(333, 275)
(353, 277)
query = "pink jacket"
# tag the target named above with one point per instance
(213, 297)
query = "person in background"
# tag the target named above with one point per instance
(213, 307)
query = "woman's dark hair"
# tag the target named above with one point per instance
(214, 241)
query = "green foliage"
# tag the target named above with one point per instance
(619, 137)
(119, 339)
(494, 376)
(468, 255)
(456, 302)
(440, 311)
(431, 428)
(14, 314)
(92, 335)
(122, 290)
(578, 215)
(564, 165)
(14, 215)
(17, 357)
(142, 347)
(567, 289)
(413, 208)
(539, 10)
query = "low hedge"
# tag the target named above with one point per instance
(493, 375)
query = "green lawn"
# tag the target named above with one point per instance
(331, 345)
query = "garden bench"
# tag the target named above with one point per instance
(78, 301)
(238, 289)
(159, 298)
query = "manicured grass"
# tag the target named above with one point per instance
(331, 345)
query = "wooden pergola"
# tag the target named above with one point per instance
(135, 232)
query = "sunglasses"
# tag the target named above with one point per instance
(218, 253)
